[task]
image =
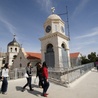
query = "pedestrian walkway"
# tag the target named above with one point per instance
(84, 87)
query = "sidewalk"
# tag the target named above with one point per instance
(85, 87)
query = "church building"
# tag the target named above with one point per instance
(17, 57)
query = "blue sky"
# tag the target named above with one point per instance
(25, 18)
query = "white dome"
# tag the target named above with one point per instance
(54, 16)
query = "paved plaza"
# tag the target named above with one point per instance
(84, 87)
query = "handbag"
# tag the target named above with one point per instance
(35, 80)
(26, 75)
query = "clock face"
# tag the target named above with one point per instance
(48, 28)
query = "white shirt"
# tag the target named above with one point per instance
(5, 72)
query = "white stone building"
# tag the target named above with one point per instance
(12, 51)
(54, 43)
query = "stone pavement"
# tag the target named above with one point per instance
(84, 87)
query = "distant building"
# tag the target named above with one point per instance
(75, 59)
(12, 51)
(17, 57)
(24, 57)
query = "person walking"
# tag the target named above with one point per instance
(39, 74)
(29, 77)
(5, 75)
(45, 79)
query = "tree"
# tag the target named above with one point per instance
(84, 60)
(92, 57)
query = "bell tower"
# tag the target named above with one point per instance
(54, 43)
(12, 50)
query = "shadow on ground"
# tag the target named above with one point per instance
(35, 92)
(18, 88)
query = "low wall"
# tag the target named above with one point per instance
(57, 75)
(68, 75)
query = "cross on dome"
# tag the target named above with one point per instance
(14, 35)
(52, 10)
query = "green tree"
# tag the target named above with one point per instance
(92, 57)
(84, 60)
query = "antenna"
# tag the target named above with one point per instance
(68, 22)
(66, 13)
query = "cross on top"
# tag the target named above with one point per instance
(14, 35)
(52, 10)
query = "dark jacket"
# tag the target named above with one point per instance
(28, 71)
(39, 72)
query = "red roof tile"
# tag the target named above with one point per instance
(32, 55)
(74, 55)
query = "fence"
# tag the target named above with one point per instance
(58, 75)
(19, 73)
(68, 75)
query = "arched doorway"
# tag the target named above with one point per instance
(49, 55)
(64, 56)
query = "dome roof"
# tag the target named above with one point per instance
(54, 16)
(14, 43)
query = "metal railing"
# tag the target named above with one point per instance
(60, 75)
(19, 73)
(68, 75)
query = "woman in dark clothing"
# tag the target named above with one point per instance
(39, 73)
(45, 79)
(29, 78)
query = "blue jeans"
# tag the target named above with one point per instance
(4, 85)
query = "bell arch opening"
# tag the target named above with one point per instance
(49, 55)
(64, 55)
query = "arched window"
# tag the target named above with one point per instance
(3, 62)
(63, 46)
(15, 49)
(20, 65)
(55, 28)
(49, 48)
(10, 49)
(14, 57)
(20, 58)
